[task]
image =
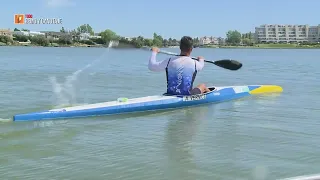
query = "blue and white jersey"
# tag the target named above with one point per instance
(181, 72)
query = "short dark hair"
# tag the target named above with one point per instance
(186, 43)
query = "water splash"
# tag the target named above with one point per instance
(65, 92)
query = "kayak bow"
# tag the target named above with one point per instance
(150, 103)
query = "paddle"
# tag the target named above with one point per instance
(224, 63)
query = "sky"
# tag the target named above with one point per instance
(169, 18)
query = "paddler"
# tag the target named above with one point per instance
(180, 70)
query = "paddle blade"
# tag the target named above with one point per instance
(227, 64)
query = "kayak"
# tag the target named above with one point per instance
(150, 103)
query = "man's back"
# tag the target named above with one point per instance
(181, 74)
(181, 71)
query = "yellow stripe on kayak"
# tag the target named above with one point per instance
(267, 89)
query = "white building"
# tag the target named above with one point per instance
(209, 40)
(33, 33)
(287, 33)
(128, 38)
(84, 36)
(95, 37)
(87, 36)
(25, 33)
(28, 33)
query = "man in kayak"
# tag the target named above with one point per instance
(180, 70)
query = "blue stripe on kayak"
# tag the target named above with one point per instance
(253, 87)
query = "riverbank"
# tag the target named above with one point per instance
(268, 46)
(53, 45)
(258, 46)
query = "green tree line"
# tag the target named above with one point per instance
(69, 37)
(234, 38)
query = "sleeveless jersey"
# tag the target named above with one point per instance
(180, 71)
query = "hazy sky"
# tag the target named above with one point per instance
(169, 18)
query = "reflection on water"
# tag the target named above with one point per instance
(184, 141)
(206, 142)
(181, 129)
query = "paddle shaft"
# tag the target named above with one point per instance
(175, 54)
(224, 63)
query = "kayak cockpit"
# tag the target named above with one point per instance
(211, 89)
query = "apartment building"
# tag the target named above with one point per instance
(287, 33)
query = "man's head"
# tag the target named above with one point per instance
(186, 44)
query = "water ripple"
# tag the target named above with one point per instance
(264, 137)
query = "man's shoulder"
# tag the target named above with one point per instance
(182, 58)
(182, 61)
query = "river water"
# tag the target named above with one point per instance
(264, 137)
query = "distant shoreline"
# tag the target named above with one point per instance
(53, 45)
(251, 47)
(260, 46)
(267, 46)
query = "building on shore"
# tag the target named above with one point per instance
(6, 32)
(87, 36)
(128, 38)
(208, 40)
(53, 34)
(287, 33)
(211, 40)
(28, 33)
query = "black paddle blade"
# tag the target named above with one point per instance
(227, 64)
